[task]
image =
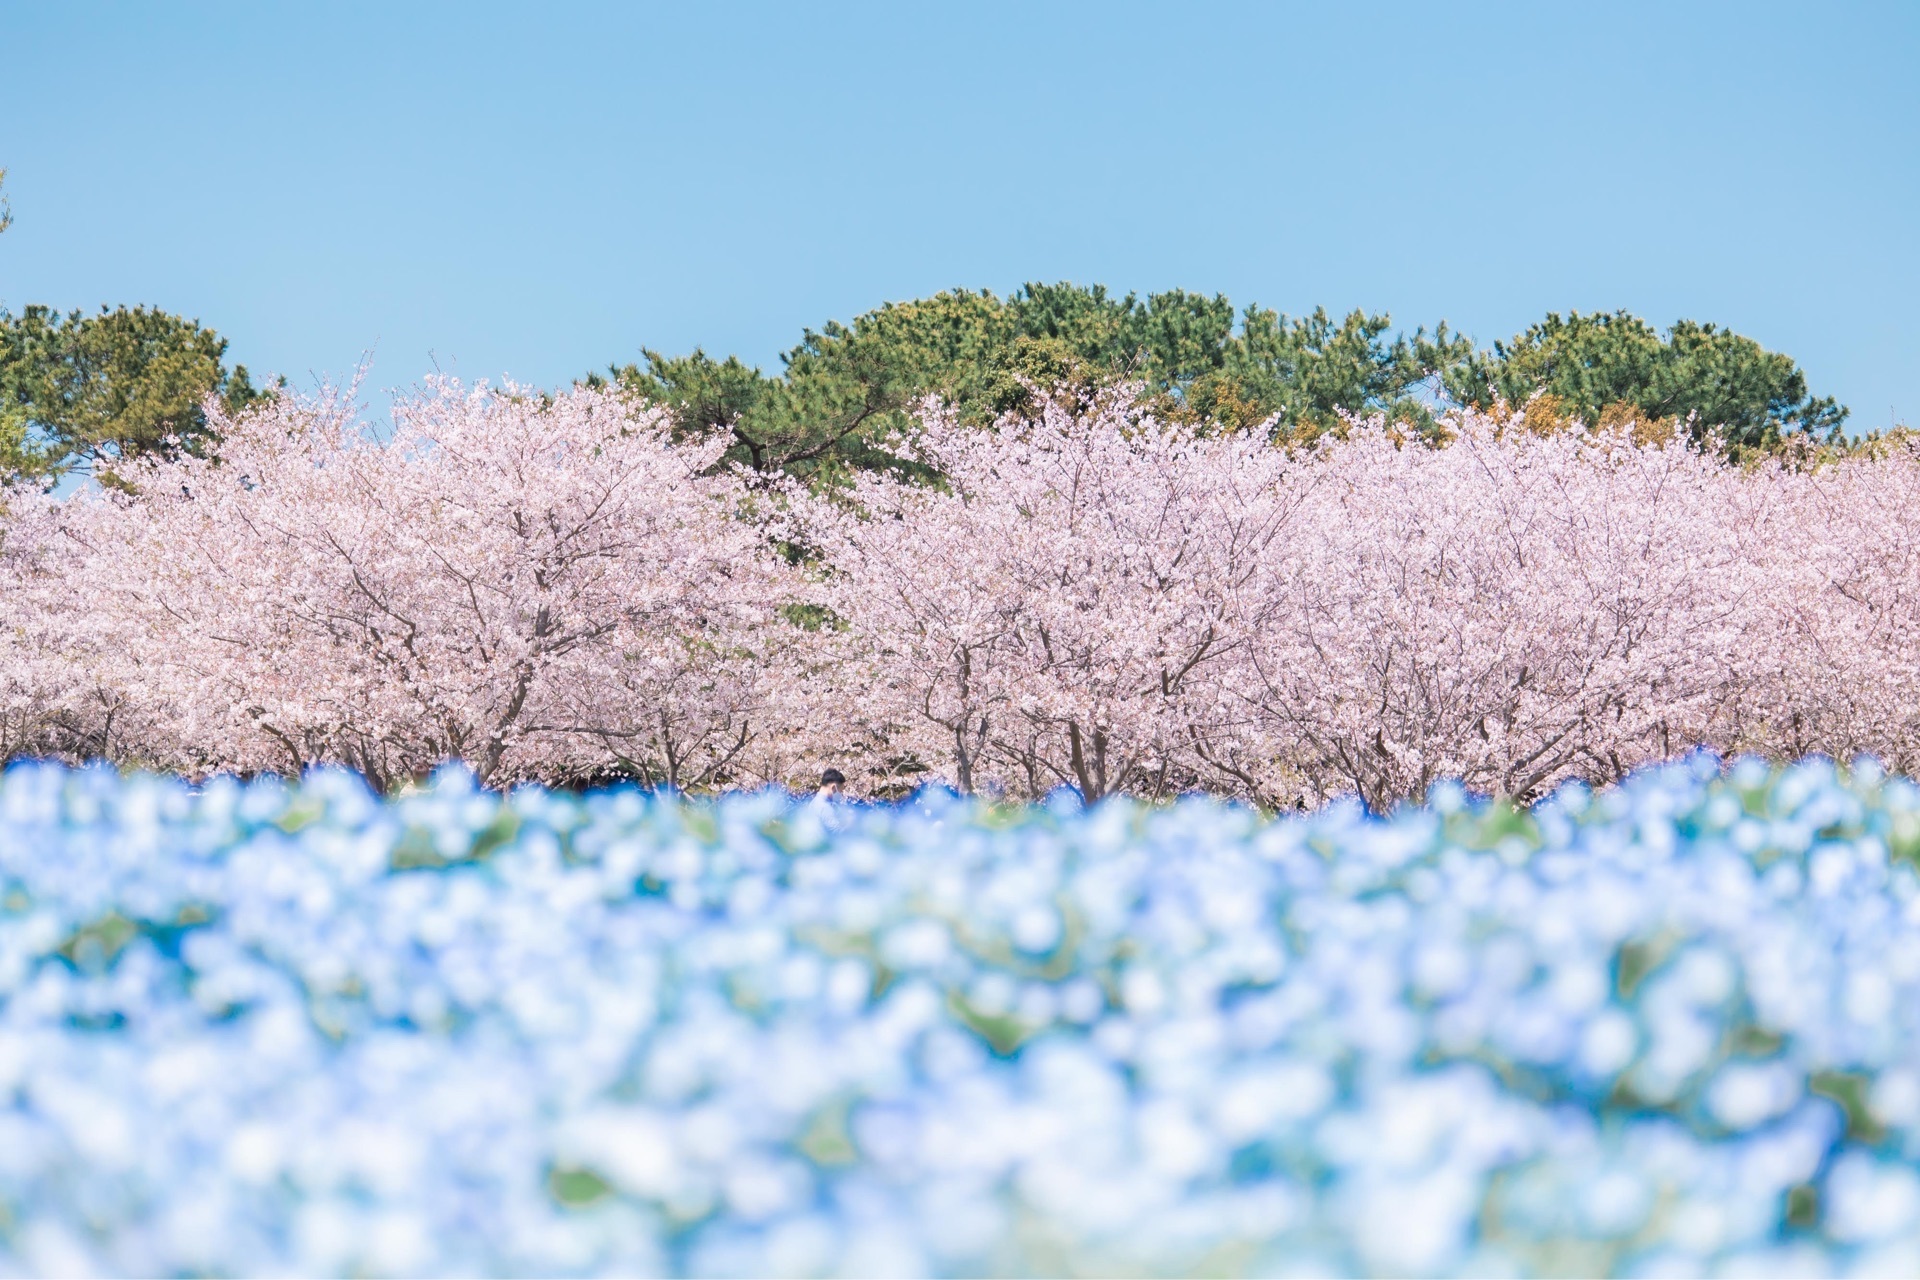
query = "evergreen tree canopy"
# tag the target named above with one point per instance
(82, 390)
(846, 389)
(1590, 364)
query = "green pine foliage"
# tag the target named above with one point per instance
(848, 389)
(81, 391)
(1715, 381)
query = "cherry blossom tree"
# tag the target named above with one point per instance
(1509, 611)
(58, 692)
(541, 586)
(1057, 612)
(1838, 663)
(554, 588)
(1098, 600)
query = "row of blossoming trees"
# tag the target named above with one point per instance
(555, 588)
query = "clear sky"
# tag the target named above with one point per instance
(540, 189)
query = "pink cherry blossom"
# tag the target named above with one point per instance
(554, 587)
(540, 586)
(1064, 609)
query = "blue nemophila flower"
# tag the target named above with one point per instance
(261, 1026)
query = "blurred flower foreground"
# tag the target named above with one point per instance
(255, 1028)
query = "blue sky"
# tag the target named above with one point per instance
(538, 190)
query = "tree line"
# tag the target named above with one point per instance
(87, 392)
(80, 391)
(847, 388)
(563, 588)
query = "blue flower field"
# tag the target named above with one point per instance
(257, 1028)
